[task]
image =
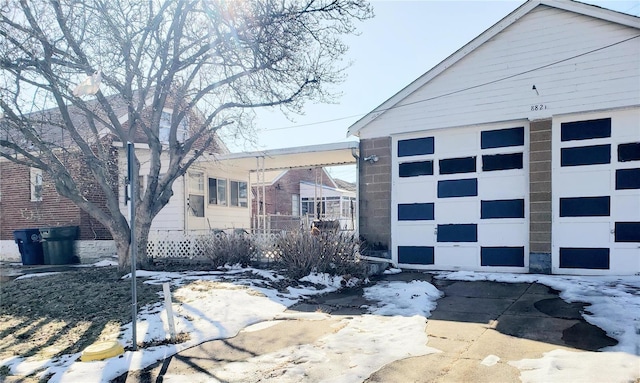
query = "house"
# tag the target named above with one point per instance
(292, 199)
(520, 152)
(207, 196)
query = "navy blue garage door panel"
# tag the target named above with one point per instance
(467, 232)
(627, 179)
(585, 130)
(629, 152)
(415, 212)
(415, 147)
(510, 208)
(502, 256)
(585, 207)
(584, 258)
(502, 138)
(458, 188)
(585, 155)
(417, 255)
(627, 231)
(415, 169)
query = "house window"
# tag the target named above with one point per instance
(238, 193)
(196, 194)
(218, 191)
(36, 184)
(295, 205)
(165, 128)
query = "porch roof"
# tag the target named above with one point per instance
(333, 154)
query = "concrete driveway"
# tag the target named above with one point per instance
(478, 326)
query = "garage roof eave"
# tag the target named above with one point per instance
(333, 154)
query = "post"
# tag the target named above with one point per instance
(169, 308)
(133, 246)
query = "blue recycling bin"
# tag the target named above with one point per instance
(30, 245)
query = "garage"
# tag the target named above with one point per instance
(460, 198)
(596, 193)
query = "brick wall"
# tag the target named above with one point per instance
(540, 196)
(17, 211)
(375, 192)
(278, 196)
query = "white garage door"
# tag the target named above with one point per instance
(596, 193)
(460, 199)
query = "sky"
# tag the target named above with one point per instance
(219, 305)
(403, 41)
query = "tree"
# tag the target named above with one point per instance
(207, 61)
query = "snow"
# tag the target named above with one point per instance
(566, 366)
(218, 305)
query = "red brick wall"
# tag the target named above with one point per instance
(278, 196)
(17, 211)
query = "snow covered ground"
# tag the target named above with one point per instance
(217, 305)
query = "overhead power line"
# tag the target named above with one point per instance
(459, 90)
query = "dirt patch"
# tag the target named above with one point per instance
(48, 316)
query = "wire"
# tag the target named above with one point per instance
(460, 90)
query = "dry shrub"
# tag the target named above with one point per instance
(229, 249)
(334, 253)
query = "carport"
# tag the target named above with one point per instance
(313, 156)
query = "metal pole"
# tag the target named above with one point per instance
(133, 246)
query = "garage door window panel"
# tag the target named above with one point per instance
(415, 169)
(458, 188)
(502, 138)
(416, 212)
(458, 233)
(502, 162)
(584, 258)
(417, 255)
(502, 256)
(627, 231)
(585, 155)
(458, 165)
(415, 147)
(627, 179)
(629, 152)
(513, 208)
(585, 130)
(585, 207)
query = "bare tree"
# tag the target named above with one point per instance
(207, 61)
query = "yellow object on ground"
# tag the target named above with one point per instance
(102, 350)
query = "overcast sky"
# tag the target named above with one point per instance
(404, 40)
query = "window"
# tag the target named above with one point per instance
(218, 191)
(295, 205)
(238, 193)
(165, 128)
(415, 146)
(196, 194)
(36, 184)
(415, 169)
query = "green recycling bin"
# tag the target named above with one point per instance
(58, 245)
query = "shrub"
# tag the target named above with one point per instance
(229, 249)
(334, 253)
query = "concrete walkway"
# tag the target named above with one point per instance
(473, 322)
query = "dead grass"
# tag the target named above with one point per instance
(52, 315)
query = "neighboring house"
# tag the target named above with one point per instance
(208, 196)
(292, 199)
(520, 152)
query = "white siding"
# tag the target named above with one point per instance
(223, 217)
(576, 62)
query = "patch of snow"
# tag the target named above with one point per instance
(392, 270)
(565, 366)
(490, 360)
(402, 298)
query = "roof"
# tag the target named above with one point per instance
(345, 185)
(567, 5)
(334, 154)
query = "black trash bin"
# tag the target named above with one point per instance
(30, 246)
(58, 245)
